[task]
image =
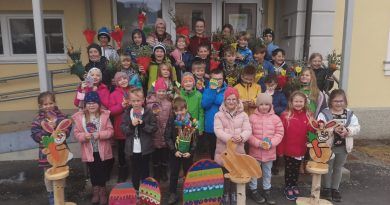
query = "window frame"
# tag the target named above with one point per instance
(9, 58)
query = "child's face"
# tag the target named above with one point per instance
(161, 94)
(181, 111)
(338, 103)
(199, 72)
(94, 55)
(137, 39)
(203, 52)
(264, 108)
(165, 71)
(231, 102)
(278, 58)
(48, 104)
(316, 62)
(103, 41)
(298, 102)
(136, 100)
(268, 38)
(181, 43)
(92, 107)
(96, 76)
(271, 86)
(188, 84)
(242, 42)
(123, 82)
(218, 77)
(248, 78)
(259, 57)
(305, 77)
(226, 31)
(159, 54)
(230, 58)
(199, 28)
(126, 63)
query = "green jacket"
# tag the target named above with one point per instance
(194, 104)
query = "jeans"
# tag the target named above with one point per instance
(266, 169)
(333, 178)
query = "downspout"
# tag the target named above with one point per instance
(347, 42)
(88, 14)
(306, 41)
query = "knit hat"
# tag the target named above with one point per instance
(187, 76)
(160, 85)
(160, 21)
(120, 75)
(159, 45)
(95, 46)
(231, 91)
(94, 69)
(103, 31)
(269, 31)
(264, 98)
(92, 97)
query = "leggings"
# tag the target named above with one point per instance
(291, 171)
(99, 170)
(121, 152)
(139, 167)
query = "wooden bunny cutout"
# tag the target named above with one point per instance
(320, 151)
(56, 150)
(241, 167)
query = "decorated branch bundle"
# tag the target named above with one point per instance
(76, 67)
(144, 54)
(186, 128)
(334, 61)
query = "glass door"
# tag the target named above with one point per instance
(190, 12)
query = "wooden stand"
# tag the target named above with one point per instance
(315, 186)
(240, 183)
(58, 186)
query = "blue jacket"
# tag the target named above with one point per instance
(248, 56)
(270, 47)
(279, 102)
(211, 100)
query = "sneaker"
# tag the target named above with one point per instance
(296, 191)
(50, 196)
(256, 196)
(233, 198)
(326, 193)
(289, 193)
(336, 196)
(226, 199)
(173, 198)
(268, 197)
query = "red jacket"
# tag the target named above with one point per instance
(195, 42)
(116, 109)
(295, 134)
(103, 92)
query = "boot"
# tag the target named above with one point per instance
(123, 173)
(95, 194)
(268, 197)
(102, 195)
(156, 172)
(164, 172)
(256, 196)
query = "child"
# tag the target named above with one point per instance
(199, 38)
(198, 69)
(231, 123)
(293, 146)
(193, 99)
(93, 129)
(139, 125)
(138, 40)
(158, 57)
(263, 67)
(248, 89)
(316, 99)
(96, 60)
(182, 57)
(92, 83)
(119, 101)
(48, 111)
(282, 70)
(131, 70)
(229, 66)
(269, 35)
(203, 55)
(244, 55)
(342, 143)
(161, 106)
(324, 75)
(212, 99)
(177, 158)
(279, 100)
(267, 129)
(165, 72)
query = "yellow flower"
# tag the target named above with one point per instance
(231, 81)
(283, 72)
(234, 45)
(298, 69)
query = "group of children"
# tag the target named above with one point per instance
(146, 109)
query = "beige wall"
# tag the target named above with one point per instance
(367, 86)
(74, 24)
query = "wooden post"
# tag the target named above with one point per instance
(58, 186)
(315, 189)
(241, 194)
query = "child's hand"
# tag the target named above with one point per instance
(125, 103)
(186, 155)
(181, 64)
(265, 145)
(178, 154)
(140, 121)
(141, 69)
(88, 136)
(134, 121)
(237, 139)
(83, 85)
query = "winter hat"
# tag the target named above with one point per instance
(160, 84)
(187, 76)
(93, 70)
(264, 98)
(120, 75)
(92, 97)
(231, 91)
(103, 31)
(269, 31)
(160, 21)
(95, 46)
(159, 45)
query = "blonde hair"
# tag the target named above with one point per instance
(314, 91)
(137, 92)
(290, 107)
(87, 114)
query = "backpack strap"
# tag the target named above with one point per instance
(349, 117)
(328, 114)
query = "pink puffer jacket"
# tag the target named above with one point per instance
(265, 125)
(226, 126)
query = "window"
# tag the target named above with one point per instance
(19, 38)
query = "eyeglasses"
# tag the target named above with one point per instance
(231, 100)
(338, 101)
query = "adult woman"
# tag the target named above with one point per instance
(160, 34)
(200, 37)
